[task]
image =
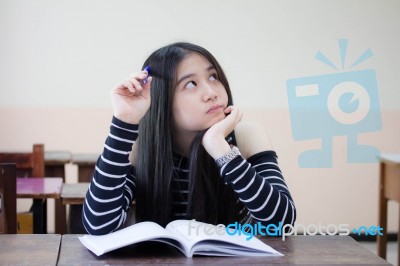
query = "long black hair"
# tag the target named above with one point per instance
(210, 200)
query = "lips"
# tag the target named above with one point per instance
(214, 108)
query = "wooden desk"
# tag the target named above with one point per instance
(29, 249)
(74, 195)
(55, 161)
(306, 250)
(389, 189)
(39, 189)
(86, 163)
(55, 166)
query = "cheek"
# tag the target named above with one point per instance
(223, 95)
(184, 116)
(187, 121)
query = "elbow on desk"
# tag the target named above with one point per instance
(282, 221)
(96, 225)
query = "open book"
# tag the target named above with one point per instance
(189, 236)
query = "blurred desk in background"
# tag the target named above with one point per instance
(86, 163)
(55, 166)
(39, 189)
(74, 195)
(389, 189)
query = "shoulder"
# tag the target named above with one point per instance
(252, 138)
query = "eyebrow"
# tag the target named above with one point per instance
(208, 69)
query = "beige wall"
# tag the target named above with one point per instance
(60, 59)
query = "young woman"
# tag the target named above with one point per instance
(176, 146)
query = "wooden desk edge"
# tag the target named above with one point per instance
(390, 158)
(43, 196)
(206, 259)
(30, 249)
(72, 201)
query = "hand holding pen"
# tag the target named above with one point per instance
(131, 98)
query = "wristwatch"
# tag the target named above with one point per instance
(233, 153)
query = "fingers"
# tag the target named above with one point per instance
(146, 87)
(234, 113)
(134, 84)
(216, 135)
(226, 125)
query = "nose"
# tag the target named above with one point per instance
(209, 93)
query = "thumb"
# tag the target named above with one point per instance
(147, 87)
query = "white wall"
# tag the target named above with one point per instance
(59, 60)
(63, 53)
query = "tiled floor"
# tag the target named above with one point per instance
(391, 255)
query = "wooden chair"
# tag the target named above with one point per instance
(8, 199)
(27, 163)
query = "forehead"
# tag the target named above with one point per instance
(193, 62)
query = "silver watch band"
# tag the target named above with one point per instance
(233, 153)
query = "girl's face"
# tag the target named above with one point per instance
(199, 98)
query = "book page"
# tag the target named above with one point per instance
(193, 231)
(136, 233)
(206, 239)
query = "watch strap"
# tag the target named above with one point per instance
(233, 153)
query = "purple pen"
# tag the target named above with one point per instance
(147, 68)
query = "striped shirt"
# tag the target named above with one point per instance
(257, 181)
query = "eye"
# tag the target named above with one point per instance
(190, 85)
(213, 77)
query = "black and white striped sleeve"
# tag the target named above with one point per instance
(260, 186)
(112, 188)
